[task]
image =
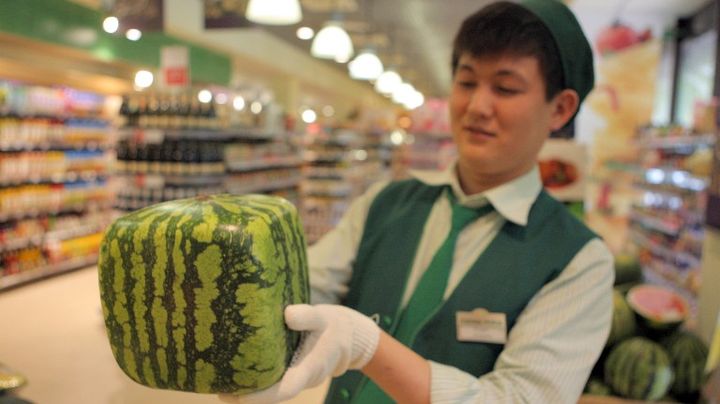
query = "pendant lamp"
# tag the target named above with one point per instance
(274, 12)
(388, 81)
(402, 93)
(332, 42)
(366, 66)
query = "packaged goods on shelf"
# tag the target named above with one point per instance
(56, 188)
(667, 215)
(338, 166)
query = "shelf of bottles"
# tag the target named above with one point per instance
(175, 147)
(667, 216)
(338, 166)
(56, 191)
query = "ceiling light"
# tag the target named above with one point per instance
(239, 103)
(274, 12)
(388, 82)
(256, 107)
(204, 96)
(111, 24)
(309, 116)
(133, 34)
(414, 100)
(366, 66)
(402, 93)
(143, 79)
(332, 42)
(305, 33)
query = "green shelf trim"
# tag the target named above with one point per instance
(65, 23)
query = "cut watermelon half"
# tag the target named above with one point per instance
(657, 307)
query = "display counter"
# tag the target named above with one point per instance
(52, 332)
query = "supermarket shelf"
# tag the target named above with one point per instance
(263, 164)
(672, 177)
(677, 258)
(89, 145)
(663, 226)
(156, 181)
(78, 208)
(270, 186)
(55, 235)
(68, 177)
(14, 280)
(656, 142)
(158, 135)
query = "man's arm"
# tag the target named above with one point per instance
(330, 259)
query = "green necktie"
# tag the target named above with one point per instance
(428, 294)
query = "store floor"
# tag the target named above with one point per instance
(52, 331)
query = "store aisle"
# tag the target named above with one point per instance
(52, 332)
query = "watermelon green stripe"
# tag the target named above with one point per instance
(159, 312)
(178, 315)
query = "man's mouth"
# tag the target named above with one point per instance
(478, 131)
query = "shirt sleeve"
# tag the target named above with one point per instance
(554, 344)
(331, 258)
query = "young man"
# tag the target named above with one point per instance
(472, 284)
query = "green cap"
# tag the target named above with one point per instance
(575, 53)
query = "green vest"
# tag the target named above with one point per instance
(513, 268)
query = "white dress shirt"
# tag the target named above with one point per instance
(557, 338)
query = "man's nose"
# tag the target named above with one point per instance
(481, 101)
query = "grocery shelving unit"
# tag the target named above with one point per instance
(339, 165)
(56, 189)
(667, 218)
(173, 148)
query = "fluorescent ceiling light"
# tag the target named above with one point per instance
(403, 92)
(111, 24)
(143, 79)
(332, 42)
(366, 66)
(274, 12)
(305, 33)
(388, 82)
(133, 34)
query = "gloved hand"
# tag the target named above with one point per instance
(337, 339)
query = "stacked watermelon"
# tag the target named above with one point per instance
(647, 355)
(193, 292)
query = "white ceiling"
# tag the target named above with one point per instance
(415, 35)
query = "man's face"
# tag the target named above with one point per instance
(499, 116)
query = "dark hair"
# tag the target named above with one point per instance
(505, 28)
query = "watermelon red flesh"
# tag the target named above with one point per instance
(658, 307)
(193, 292)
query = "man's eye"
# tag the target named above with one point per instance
(506, 90)
(466, 83)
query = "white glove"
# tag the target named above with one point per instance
(337, 339)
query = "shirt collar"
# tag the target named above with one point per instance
(512, 200)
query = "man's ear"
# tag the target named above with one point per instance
(565, 103)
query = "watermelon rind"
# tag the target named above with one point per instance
(639, 369)
(623, 320)
(688, 355)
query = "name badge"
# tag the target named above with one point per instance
(481, 325)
